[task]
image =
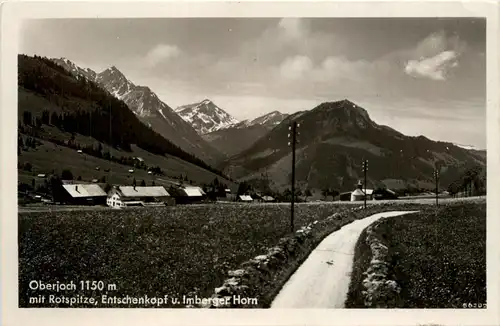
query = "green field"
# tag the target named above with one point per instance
(438, 258)
(157, 251)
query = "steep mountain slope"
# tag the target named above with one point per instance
(149, 109)
(72, 112)
(335, 137)
(242, 135)
(233, 140)
(205, 116)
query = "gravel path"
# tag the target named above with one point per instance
(322, 281)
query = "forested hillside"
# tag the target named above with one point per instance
(82, 107)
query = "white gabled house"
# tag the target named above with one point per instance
(126, 196)
(359, 193)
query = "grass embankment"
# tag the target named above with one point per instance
(436, 257)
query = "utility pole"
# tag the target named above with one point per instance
(436, 179)
(292, 136)
(365, 168)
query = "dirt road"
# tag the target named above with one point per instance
(322, 281)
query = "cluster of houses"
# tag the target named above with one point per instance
(129, 196)
(120, 196)
(145, 196)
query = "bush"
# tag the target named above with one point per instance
(67, 175)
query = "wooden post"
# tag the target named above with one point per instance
(293, 137)
(365, 168)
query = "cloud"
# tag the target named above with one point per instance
(293, 27)
(435, 56)
(160, 53)
(296, 67)
(435, 68)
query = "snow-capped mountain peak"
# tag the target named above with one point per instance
(74, 69)
(147, 106)
(115, 82)
(270, 120)
(205, 116)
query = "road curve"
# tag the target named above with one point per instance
(322, 281)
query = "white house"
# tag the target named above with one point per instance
(360, 193)
(126, 196)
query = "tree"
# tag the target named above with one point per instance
(334, 193)
(33, 183)
(79, 178)
(107, 187)
(325, 192)
(67, 175)
(27, 118)
(307, 193)
(243, 187)
(143, 183)
(28, 167)
(56, 188)
(153, 183)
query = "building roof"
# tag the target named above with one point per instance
(193, 191)
(246, 198)
(362, 191)
(84, 190)
(357, 192)
(267, 198)
(148, 191)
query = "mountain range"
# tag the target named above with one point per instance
(73, 123)
(238, 137)
(334, 139)
(149, 109)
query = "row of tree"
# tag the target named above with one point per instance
(471, 183)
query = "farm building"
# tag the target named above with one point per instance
(384, 193)
(345, 196)
(268, 199)
(83, 194)
(245, 198)
(126, 196)
(188, 194)
(359, 193)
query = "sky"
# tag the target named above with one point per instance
(420, 76)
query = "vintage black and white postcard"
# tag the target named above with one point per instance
(260, 163)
